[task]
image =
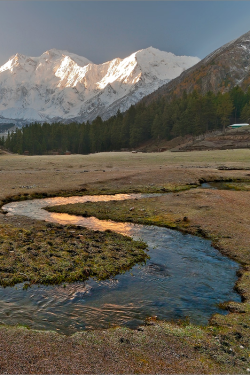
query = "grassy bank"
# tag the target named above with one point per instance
(219, 215)
(166, 188)
(52, 254)
(157, 347)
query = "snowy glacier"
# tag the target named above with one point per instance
(62, 86)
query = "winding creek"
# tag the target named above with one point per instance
(184, 277)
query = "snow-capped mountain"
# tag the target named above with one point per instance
(60, 85)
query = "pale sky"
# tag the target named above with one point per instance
(103, 30)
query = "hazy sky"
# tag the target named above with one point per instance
(103, 30)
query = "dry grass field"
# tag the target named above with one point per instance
(29, 174)
(158, 347)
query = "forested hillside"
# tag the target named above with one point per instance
(220, 71)
(192, 114)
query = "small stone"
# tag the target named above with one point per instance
(122, 340)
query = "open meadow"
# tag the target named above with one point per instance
(156, 347)
(116, 170)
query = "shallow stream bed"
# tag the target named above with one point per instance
(184, 277)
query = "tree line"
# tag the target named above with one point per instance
(192, 114)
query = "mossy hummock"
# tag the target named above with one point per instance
(52, 254)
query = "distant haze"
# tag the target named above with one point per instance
(101, 30)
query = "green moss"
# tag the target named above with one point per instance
(53, 254)
(238, 186)
(140, 212)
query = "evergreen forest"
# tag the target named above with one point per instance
(192, 114)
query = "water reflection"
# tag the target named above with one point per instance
(184, 277)
(226, 185)
(91, 222)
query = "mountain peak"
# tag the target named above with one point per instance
(152, 49)
(55, 54)
(62, 85)
(19, 56)
(243, 37)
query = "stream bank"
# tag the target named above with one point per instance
(219, 348)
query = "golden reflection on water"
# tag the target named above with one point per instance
(64, 218)
(181, 279)
(91, 223)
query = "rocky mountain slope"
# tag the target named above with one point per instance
(221, 70)
(60, 85)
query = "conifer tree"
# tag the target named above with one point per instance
(224, 109)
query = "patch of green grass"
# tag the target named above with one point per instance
(239, 186)
(53, 254)
(141, 211)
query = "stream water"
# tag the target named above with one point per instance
(184, 277)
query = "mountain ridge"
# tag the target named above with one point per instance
(59, 85)
(222, 69)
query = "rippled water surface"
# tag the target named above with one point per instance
(185, 277)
